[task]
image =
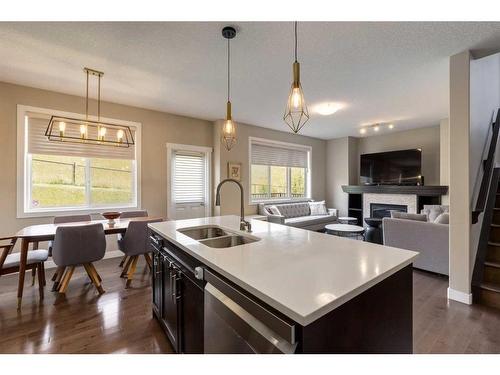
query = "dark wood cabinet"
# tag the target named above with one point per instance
(192, 314)
(157, 282)
(170, 298)
(177, 297)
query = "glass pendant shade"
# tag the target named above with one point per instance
(228, 137)
(296, 113)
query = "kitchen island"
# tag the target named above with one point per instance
(278, 289)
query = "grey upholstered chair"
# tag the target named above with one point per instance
(56, 278)
(128, 215)
(134, 243)
(9, 263)
(79, 245)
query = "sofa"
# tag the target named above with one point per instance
(298, 214)
(423, 234)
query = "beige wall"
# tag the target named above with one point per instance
(444, 157)
(230, 202)
(157, 129)
(425, 138)
(460, 210)
(342, 169)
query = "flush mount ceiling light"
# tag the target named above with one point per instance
(296, 113)
(375, 127)
(328, 108)
(66, 129)
(228, 137)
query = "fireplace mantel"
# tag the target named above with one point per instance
(423, 191)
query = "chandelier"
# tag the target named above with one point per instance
(67, 129)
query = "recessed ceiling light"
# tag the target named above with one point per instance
(390, 126)
(376, 128)
(327, 108)
(362, 130)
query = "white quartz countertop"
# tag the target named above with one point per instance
(301, 273)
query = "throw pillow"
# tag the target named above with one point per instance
(318, 208)
(274, 210)
(407, 216)
(444, 218)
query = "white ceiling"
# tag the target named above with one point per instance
(383, 72)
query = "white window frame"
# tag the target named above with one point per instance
(171, 148)
(271, 143)
(24, 173)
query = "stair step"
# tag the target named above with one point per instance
(493, 243)
(491, 287)
(492, 264)
(489, 295)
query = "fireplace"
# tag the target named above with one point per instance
(380, 210)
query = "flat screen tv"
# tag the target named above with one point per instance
(402, 167)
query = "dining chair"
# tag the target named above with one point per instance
(9, 262)
(79, 245)
(56, 278)
(128, 215)
(135, 243)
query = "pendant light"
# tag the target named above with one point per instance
(78, 130)
(296, 113)
(228, 137)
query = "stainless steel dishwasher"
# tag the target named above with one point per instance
(234, 323)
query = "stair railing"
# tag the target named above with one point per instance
(487, 172)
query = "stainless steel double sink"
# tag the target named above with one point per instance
(214, 236)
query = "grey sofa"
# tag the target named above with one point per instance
(298, 214)
(428, 238)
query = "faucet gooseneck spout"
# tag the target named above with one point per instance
(244, 225)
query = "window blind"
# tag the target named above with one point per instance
(188, 177)
(266, 154)
(38, 143)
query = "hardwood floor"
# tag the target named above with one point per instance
(120, 321)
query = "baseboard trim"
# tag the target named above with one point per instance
(456, 295)
(109, 254)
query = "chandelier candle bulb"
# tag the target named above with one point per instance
(119, 135)
(102, 133)
(83, 131)
(62, 128)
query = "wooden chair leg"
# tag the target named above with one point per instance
(66, 278)
(131, 271)
(126, 267)
(94, 276)
(95, 272)
(148, 261)
(41, 279)
(54, 276)
(124, 259)
(58, 277)
(33, 275)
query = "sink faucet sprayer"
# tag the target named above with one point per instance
(244, 225)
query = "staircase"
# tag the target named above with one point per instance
(486, 275)
(486, 278)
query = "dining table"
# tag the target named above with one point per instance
(46, 232)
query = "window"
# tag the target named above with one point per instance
(189, 177)
(188, 181)
(278, 171)
(65, 176)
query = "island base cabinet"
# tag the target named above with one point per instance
(379, 320)
(192, 315)
(177, 297)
